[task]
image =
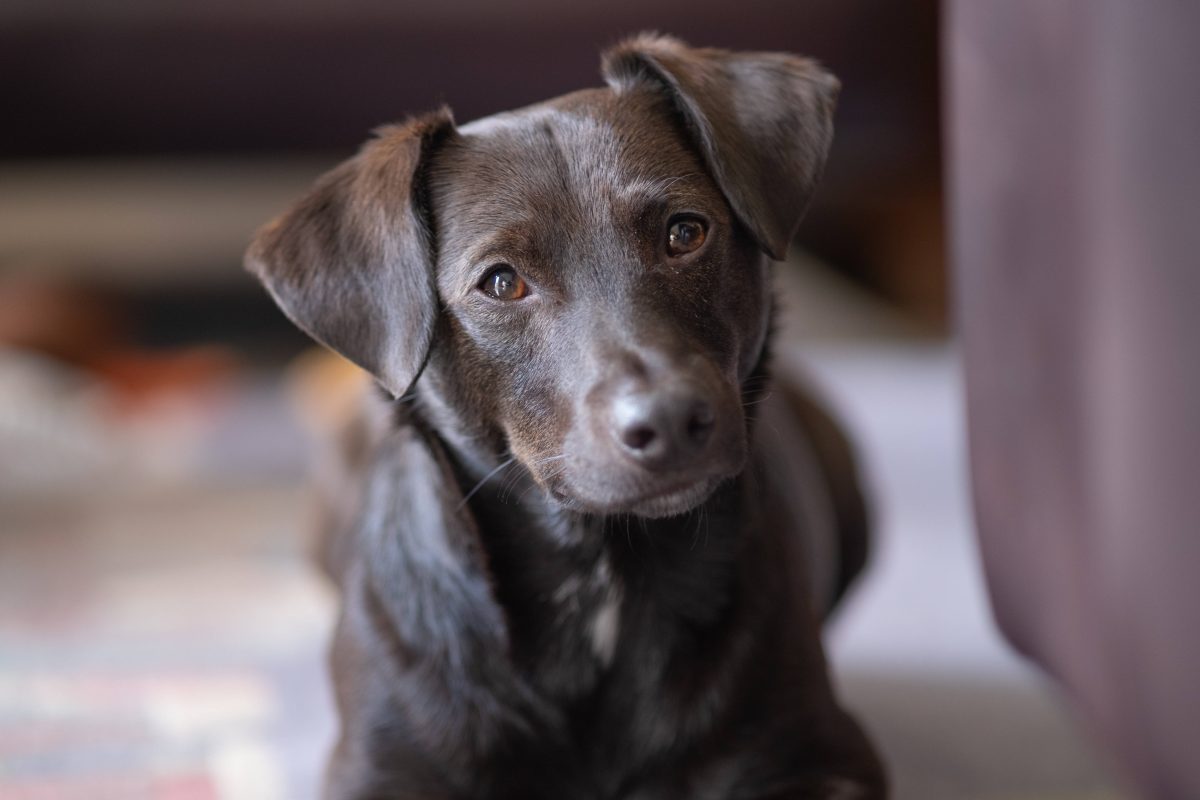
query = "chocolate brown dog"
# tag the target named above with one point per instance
(585, 554)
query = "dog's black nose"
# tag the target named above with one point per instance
(661, 429)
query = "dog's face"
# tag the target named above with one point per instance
(602, 303)
(586, 279)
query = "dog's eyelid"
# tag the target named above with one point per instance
(485, 266)
(687, 215)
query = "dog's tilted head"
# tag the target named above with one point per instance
(582, 283)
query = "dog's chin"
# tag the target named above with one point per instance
(670, 502)
(674, 503)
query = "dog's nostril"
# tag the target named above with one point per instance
(700, 422)
(698, 429)
(661, 429)
(638, 437)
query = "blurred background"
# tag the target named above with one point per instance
(162, 634)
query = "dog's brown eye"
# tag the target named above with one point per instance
(685, 236)
(503, 283)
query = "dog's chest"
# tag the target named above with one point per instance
(564, 606)
(595, 615)
(597, 628)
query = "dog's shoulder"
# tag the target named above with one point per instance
(347, 445)
(806, 460)
(384, 482)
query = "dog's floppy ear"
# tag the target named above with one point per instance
(351, 263)
(762, 121)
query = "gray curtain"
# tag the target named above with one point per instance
(1074, 176)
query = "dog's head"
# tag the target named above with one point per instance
(585, 279)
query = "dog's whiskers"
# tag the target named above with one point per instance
(762, 399)
(554, 472)
(507, 485)
(511, 480)
(507, 463)
(774, 429)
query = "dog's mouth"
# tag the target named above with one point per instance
(674, 502)
(669, 500)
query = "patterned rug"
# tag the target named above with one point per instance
(163, 648)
